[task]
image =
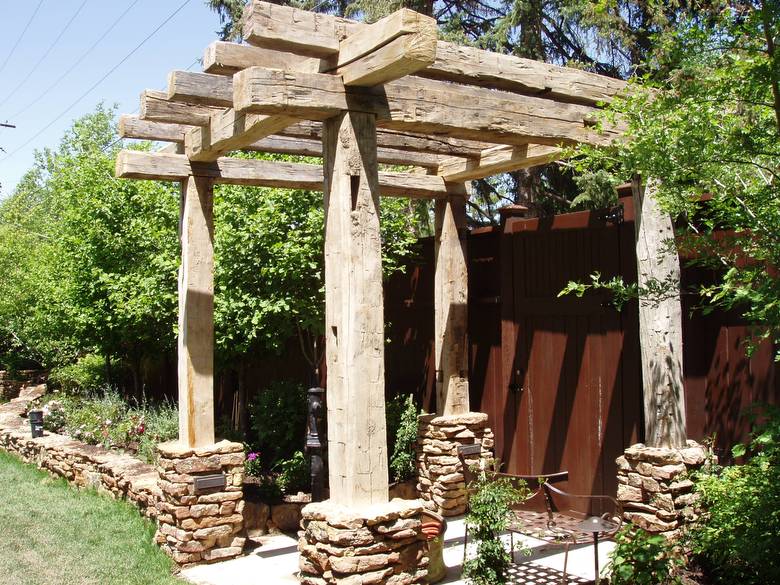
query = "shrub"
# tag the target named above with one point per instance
(156, 423)
(640, 558)
(738, 535)
(294, 474)
(277, 417)
(402, 460)
(87, 374)
(489, 514)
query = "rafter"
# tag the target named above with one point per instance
(495, 160)
(421, 105)
(133, 164)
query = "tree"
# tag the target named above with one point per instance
(709, 130)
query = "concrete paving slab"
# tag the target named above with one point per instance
(276, 561)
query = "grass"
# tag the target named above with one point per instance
(53, 534)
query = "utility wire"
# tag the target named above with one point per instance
(45, 54)
(77, 62)
(19, 40)
(99, 81)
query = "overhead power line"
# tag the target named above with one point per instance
(99, 81)
(45, 54)
(77, 62)
(19, 40)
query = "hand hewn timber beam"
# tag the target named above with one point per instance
(231, 130)
(223, 58)
(400, 140)
(156, 106)
(309, 147)
(198, 88)
(395, 46)
(134, 127)
(421, 105)
(289, 29)
(495, 160)
(155, 166)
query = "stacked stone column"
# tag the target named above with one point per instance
(654, 487)
(441, 483)
(380, 544)
(205, 526)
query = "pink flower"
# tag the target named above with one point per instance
(252, 456)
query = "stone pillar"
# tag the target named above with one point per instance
(200, 525)
(451, 305)
(354, 314)
(381, 543)
(654, 488)
(196, 314)
(441, 483)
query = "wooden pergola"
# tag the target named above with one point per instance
(357, 95)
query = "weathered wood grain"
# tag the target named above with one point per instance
(134, 127)
(231, 130)
(354, 315)
(223, 58)
(200, 88)
(157, 166)
(495, 160)
(196, 314)
(309, 147)
(660, 323)
(156, 107)
(397, 45)
(451, 304)
(320, 34)
(422, 106)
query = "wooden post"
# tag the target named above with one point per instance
(451, 298)
(196, 313)
(354, 314)
(660, 324)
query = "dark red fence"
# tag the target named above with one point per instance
(560, 377)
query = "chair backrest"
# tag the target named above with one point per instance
(466, 452)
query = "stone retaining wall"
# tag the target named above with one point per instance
(10, 385)
(117, 474)
(206, 526)
(654, 487)
(382, 544)
(441, 484)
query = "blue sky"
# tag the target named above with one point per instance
(30, 107)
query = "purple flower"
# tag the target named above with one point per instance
(252, 456)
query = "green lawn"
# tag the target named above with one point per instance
(52, 534)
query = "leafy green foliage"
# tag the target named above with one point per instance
(294, 474)
(653, 293)
(277, 418)
(738, 535)
(641, 558)
(489, 514)
(712, 125)
(402, 462)
(88, 372)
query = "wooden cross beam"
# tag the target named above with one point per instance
(421, 105)
(495, 160)
(133, 127)
(155, 166)
(155, 106)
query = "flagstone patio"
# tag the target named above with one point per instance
(276, 561)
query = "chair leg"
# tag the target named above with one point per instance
(465, 541)
(565, 578)
(512, 545)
